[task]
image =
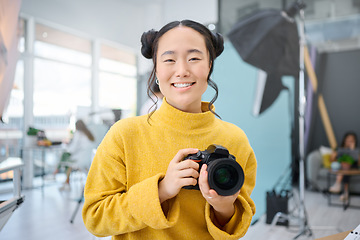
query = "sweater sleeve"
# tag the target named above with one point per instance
(244, 208)
(112, 209)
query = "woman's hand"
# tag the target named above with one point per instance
(179, 174)
(223, 205)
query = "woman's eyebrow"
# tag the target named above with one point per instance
(195, 51)
(167, 53)
(189, 51)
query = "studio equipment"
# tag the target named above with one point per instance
(273, 41)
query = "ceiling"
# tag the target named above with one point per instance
(330, 25)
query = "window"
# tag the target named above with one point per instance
(60, 87)
(117, 80)
(61, 46)
(63, 64)
(62, 79)
(21, 28)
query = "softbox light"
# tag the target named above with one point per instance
(268, 39)
(268, 88)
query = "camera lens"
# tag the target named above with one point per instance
(225, 176)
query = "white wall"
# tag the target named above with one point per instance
(204, 11)
(121, 21)
(109, 19)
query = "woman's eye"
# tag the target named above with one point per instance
(194, 59)
(168, 60)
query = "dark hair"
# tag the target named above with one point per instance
(214, 43)
(81, 126)
(349, 133)
(154, 89)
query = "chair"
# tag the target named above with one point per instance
(99, 131)
(81, 199)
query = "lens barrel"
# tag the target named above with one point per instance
(225, 176)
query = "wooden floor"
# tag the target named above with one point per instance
(46, 212)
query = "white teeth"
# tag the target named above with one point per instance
(182, 85)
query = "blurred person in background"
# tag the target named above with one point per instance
(78, 152)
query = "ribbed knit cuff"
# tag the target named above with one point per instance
(238, 224)
(145, 205)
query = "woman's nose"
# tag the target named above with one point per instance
(182, 69)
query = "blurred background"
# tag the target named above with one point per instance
(68, 60)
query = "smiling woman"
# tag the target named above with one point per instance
(135, 186)
(182, 68)
(214, 46)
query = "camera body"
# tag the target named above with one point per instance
(225, 175)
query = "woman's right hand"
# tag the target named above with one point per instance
(180, 173)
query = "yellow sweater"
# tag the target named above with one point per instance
(121, 192)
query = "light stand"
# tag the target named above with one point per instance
(304, 227)
(303, 222)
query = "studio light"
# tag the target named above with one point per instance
(274, 42)
(268, 39)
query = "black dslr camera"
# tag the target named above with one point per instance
(225, 175)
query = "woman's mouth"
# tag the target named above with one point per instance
(182, 85)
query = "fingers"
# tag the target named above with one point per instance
(188, 173)
(179, 174)
(188, 181)
(181, 154)
(203, 179)
(205, 189)
(204, 184)
(186, 164)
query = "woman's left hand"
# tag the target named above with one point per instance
(222, 205)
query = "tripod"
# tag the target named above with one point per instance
(303, 222)
(304, 227)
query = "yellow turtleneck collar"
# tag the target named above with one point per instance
(183, 121)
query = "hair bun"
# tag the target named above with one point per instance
(147, 40)
(218, 42)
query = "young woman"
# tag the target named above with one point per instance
(348, 160)
(78, 152)
(134, 189)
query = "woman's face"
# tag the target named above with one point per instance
(350, 142)
(182, 68)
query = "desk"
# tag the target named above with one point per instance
(28, 153)
(351, 172)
